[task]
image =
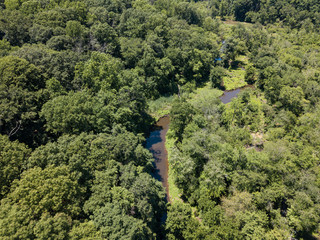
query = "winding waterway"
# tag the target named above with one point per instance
(157, 139)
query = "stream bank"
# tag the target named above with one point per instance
(155, 143)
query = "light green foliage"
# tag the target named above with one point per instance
(74, 29)
(180, 223)
(245, 110)
(292, 99)
(4, 47)
(160, 106)
(235, 78)
(56, 227)
(100, 72)
(207, 101)
(302, 214)
(183, 169)
(13, 159)
(55, 88)
(212, 180)
(74, 113)
(86, 230)
(75, 79)
(50, 196)
(181, 114)
(20, 73)
(30, 7)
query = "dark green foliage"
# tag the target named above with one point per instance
(114, 224)
(181, 115)
(216, 75)
(14, 26)
(21, 97)
(122, 210)
(180, 224)
(88, 153)
(75, 80)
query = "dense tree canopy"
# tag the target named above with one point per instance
(78, 80)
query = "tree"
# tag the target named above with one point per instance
(114, 224)
(88, 153)
(241, 7)
(100, 72)
(292, 99)
(74, 29)
(180, 222)
(41, 197)
(216, 76)
(181, 114)
(76, 113)
(13, 159)
(5, 47)
(15, 26)
(39, 33)
(53, 227)
(213, 180)
(60, 65)
(85, 230)
(149, 199)
(21, 97)
(251, 75)
(184, 169)
(106, 37)
(20, 73)
(123, 196)
(303, 214)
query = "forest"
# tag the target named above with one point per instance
(82, 83)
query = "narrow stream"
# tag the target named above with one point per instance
(156, 145)
(157, 139)
(229, 95)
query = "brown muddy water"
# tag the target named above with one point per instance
(229, 95)
(157, 139)
(156, 145)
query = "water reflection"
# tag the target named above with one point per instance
(156, 145)
(229, 95)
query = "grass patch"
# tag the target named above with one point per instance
(243, 59)
(202, 94)
(205, 90)
(160, 107)
(234, 79)
(235, 76)
(174, 191)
